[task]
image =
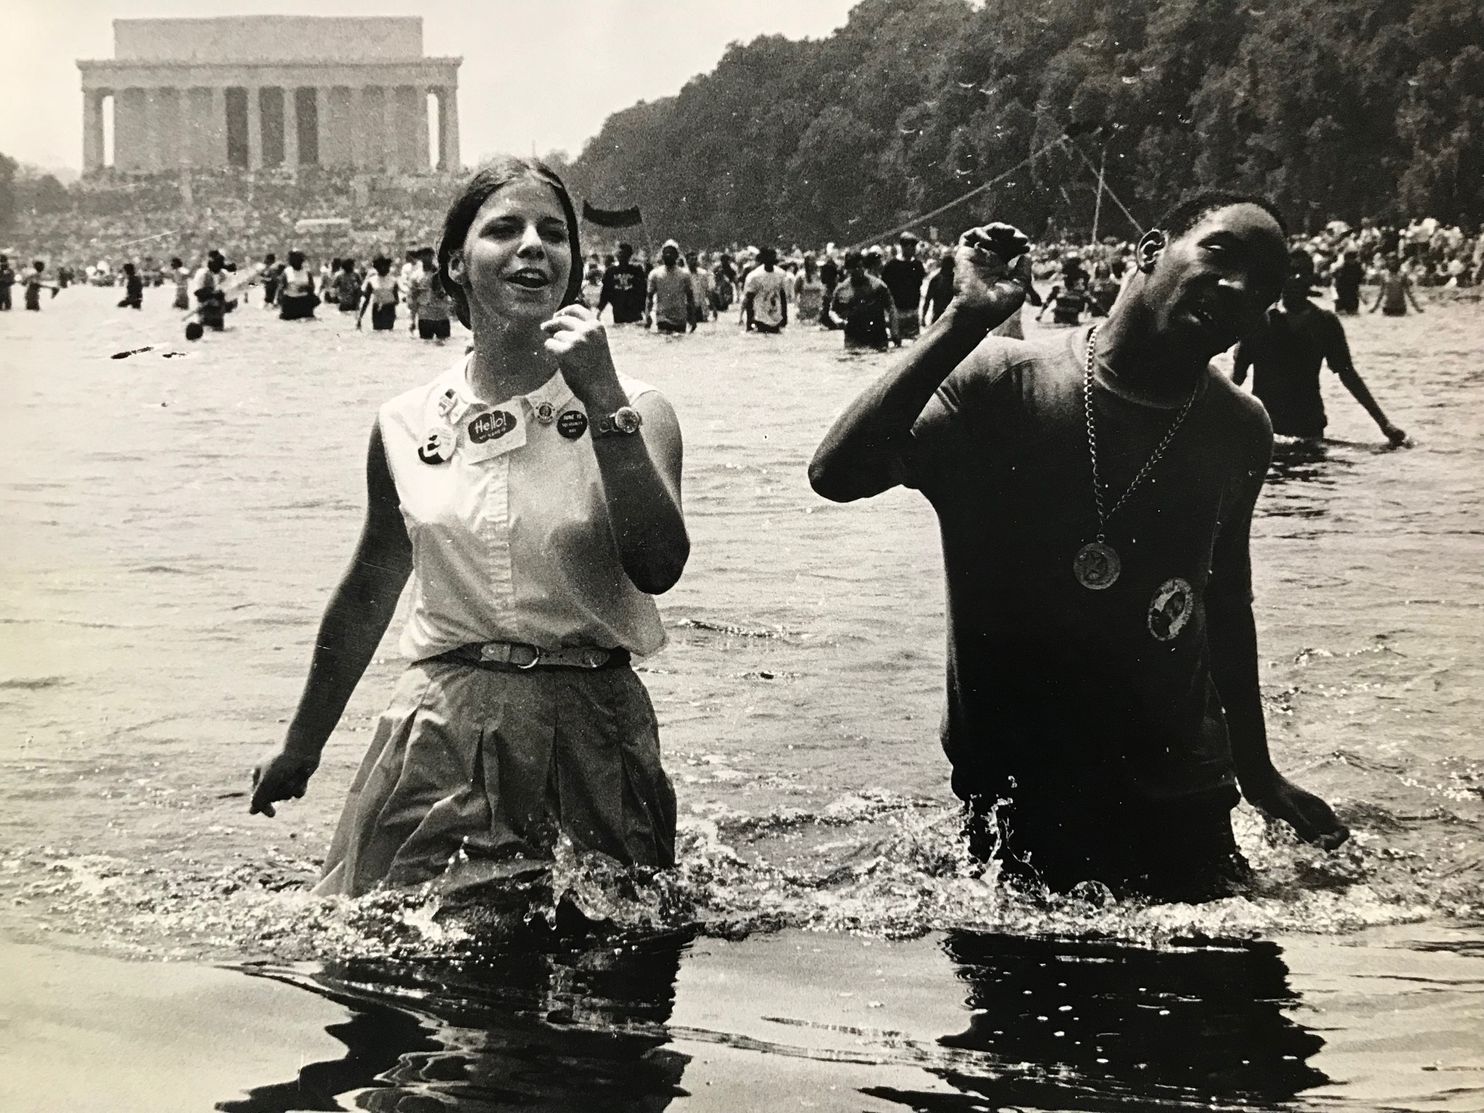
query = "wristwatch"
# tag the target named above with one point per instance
(622, 422)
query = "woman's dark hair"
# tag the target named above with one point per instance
(381, 265)
(348, 265)
(486, 182)
(296, 259)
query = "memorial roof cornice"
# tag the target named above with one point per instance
(259, 63)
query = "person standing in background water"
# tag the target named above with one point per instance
(765, 295)
(532, 494)
(1395, 291)
(181, 276)
(427, 303)
(34, 283)
(133, 288)
(380, 294)
(1286, 355)
(624, 288)
(904, 275)
(1348, 277)
(7, 281)
(809, 292)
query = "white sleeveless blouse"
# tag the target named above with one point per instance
(510, 532)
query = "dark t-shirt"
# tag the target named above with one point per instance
(863, 311)
(904, 278)
(1348, 276)
(1089, 702)
(939, 293)
(624, 286)
(1285, 359)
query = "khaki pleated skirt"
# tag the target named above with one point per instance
(480, 772)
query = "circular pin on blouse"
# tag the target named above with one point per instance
(1096, 566)
(545, 413)
(572, 424)
(437, 446)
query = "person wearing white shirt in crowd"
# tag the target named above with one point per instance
(765, 295)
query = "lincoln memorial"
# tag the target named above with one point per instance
(271, 91)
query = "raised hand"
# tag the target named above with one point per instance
(578, 341)
(985, 278)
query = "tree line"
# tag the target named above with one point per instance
(1333, 108)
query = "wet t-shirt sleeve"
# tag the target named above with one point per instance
(945, 435)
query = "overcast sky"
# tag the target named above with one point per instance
(539, 74)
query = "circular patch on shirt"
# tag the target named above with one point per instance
(437, 446)
(1170, 609)
(491, 426)
(572, 424)
(545, 413)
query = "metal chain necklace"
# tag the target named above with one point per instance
(1097, 564)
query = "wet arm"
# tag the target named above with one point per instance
(1338, 358)
(858, 456)
(1231, 634)
(359, 611)
(1411, 297)
(641, 486)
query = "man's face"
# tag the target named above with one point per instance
(1212, 285)
(670, 255)
(1296, 291)
(909, 248)
(625, 253)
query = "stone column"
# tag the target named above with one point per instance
(129, 130)
(327, 146)
(254, 128)
(92, 130)
(360, 116)
(216, 127)
(166, 125)
(420, 130)
(391, 129)
(149, 155)
(448, 129)
(291, 126)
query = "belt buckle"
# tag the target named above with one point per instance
(534, 652)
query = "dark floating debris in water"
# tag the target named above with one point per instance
(729, 628)
(172, 354)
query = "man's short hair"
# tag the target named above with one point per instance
(1186, 215)
(854, 259)
(625, 247)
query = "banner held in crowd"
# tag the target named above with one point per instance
(611, 218)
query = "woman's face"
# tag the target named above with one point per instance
(517, 253)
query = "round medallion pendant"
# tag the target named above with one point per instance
(1096, 566)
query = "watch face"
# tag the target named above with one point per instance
(626, 419)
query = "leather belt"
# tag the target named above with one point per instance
(517, 657)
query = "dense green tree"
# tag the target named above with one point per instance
(1334, 108)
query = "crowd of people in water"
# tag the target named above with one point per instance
(532, 451)
(875, 295)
